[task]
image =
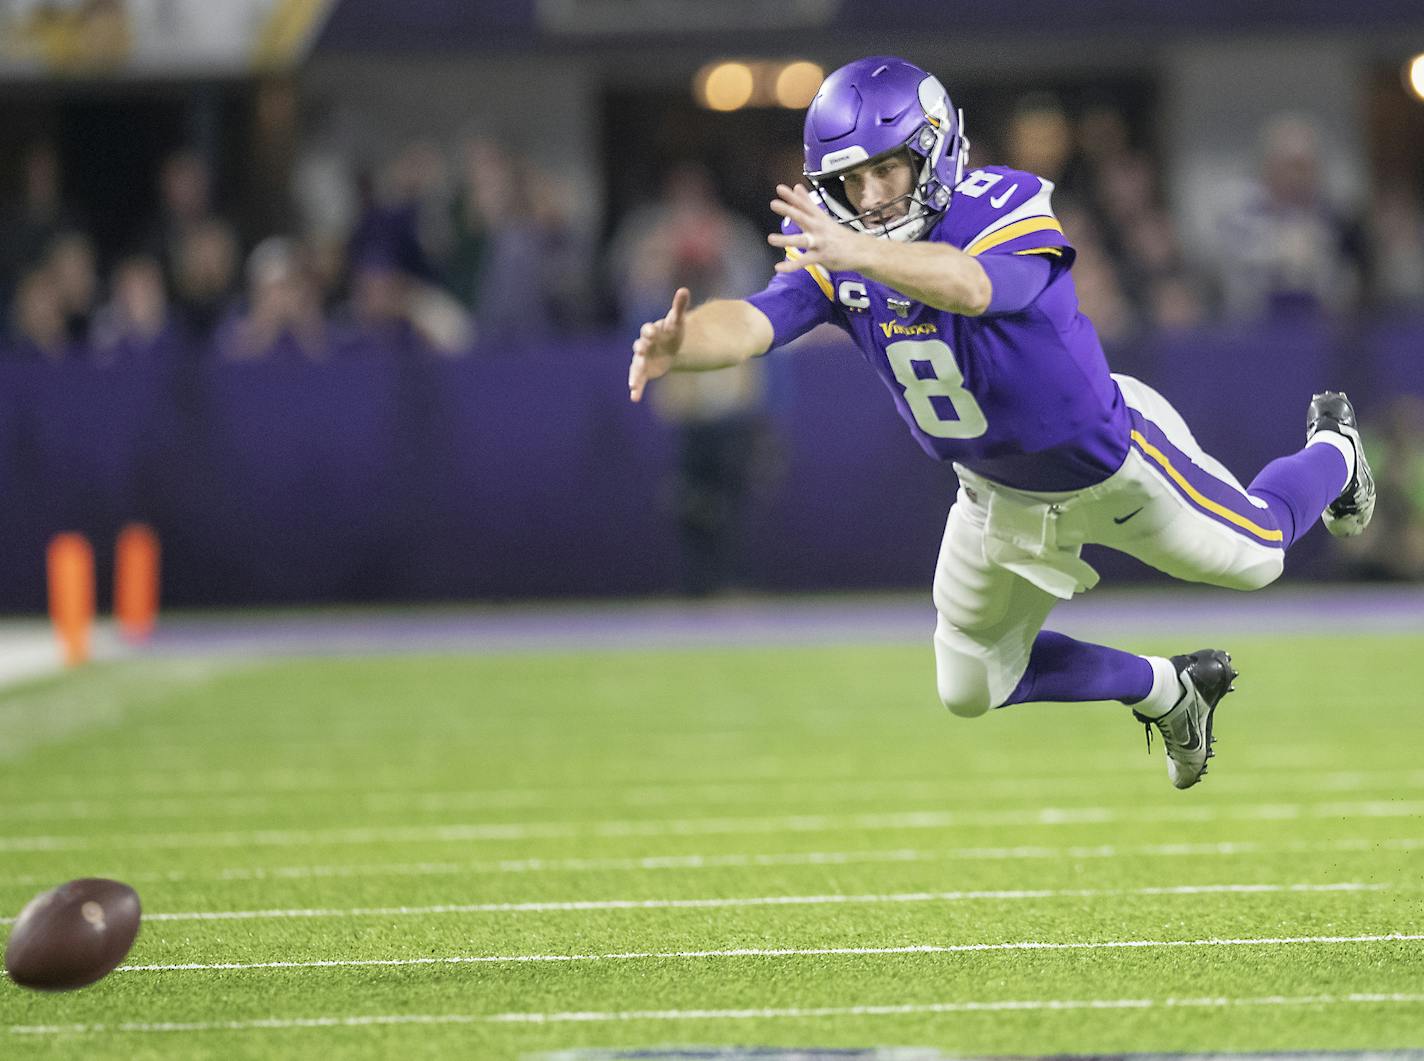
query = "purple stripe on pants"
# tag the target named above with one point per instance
(1225, 494)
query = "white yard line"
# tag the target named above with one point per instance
(92, 699)
(1006, 895)
(1225, 848)
(804, 823)
(131, 806)
(788, 952)
(808, 1013)
(698, 862)
(990, 770)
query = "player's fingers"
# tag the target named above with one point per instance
(785, 197)
(680, 299)
(649, 330)
(800, 218)
(637, 377)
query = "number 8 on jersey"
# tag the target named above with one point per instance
(947, 383)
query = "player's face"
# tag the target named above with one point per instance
(880, 187)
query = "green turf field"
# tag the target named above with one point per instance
(496, 856)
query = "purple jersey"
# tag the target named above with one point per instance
(1022, 398)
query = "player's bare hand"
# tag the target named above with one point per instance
(821, 241)
(657, 344)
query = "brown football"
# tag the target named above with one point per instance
(72, 935)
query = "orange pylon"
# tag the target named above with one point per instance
(136, 581)
(70, 560)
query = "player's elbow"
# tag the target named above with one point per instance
(977, 292)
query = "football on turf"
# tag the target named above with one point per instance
(72, 935)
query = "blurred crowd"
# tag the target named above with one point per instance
(1280, 243)
(447, 249)
(454, 247)
(411, 254)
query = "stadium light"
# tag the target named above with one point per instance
(725, 86)
(797, 83)
(1414, 76)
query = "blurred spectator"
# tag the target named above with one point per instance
(1151, 258)
(378, 309)
(685, 238)
(37, 319)
(39, 214)
(282, 316)
(393, 215)
(1101, 140)
(323, 180)
(419, 178)
(688, 238)
(206, 278)
(392, 308)
(185, 203)
(73, 268)
(1118, 186)
(1176, 302)
(1096, 279)
(1288, 248)
(1396, 226)
(135, 319)
(1039, 137)
(568, 249)
(513, 255)
(328, 198)
(330, 270)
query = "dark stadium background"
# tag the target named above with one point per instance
(368, 462)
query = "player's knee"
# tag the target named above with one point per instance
(964, 687)
(1256, 575)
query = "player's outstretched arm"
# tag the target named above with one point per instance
(717, 334)
(933, 273)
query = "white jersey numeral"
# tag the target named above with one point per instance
(947, 382)
(977, 183)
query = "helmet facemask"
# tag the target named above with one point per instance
(928, 196)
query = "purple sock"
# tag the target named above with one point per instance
(1061, 669)
(1297, 488)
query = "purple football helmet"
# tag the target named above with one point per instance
(875, 107)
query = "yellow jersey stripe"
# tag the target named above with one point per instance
(1014, 231)
(818, 274)
(1200, 499)
(1057, 252)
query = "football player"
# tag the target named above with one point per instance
(957, 288)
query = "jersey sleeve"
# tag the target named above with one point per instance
(796, 302)
(1016, 280)
(1012, 213)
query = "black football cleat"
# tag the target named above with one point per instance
(1349, 513)
(1205, 676)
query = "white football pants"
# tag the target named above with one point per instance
(1170, 505)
